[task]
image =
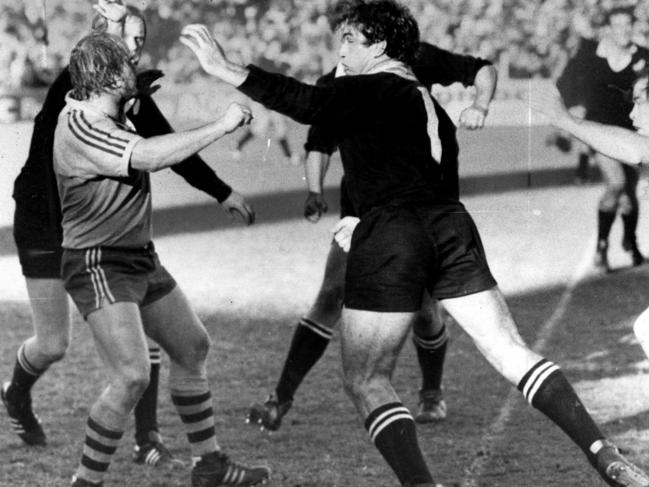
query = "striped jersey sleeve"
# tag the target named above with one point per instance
(99, 146)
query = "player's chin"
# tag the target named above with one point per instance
(313, 218)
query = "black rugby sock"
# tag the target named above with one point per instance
(630, 223)
(547, 389)
(392, 429)
(146, 410)
(309, 342)
(605, 221)
(583, 165)
(431, 353)
(25, 374)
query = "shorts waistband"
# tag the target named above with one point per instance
(149, 248)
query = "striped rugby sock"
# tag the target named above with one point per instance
(309, 342)
(392, 429)
(547, 389)
(431, 353)
(104, 430)
(146, 409)
(197, 415)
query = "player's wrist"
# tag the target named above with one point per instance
(484, 109)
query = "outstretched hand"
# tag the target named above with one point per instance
(208, 51)
(145, 79)
(111, 10)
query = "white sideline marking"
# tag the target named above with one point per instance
(494, 433)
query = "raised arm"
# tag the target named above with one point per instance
(302, 102)
(149, 121)
(211, 55)
(615, 142)
(163, 151)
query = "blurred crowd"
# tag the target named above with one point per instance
(524, 38)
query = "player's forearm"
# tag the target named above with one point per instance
(618, 143)
(162, 151)
(201, 176)
(315, 168)
(485, 86)
(231, 73)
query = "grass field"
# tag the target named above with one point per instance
(250, 284)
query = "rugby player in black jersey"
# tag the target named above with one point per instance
(593, 85)
(414, 234)
(314, 331)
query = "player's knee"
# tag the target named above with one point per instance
(353, 385)
(331, 295)
(612, 195)
(134, 381)
(627, 205)
(195, 352)
(360, 383)
(53, 349)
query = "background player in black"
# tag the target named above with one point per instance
(413, 234)
(593, 85)
(313, 332)
(38, 236)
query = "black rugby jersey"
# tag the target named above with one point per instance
(379, 123)
(589, 81)
(433, 65)
(35, 190)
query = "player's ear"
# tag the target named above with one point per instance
(379, 48)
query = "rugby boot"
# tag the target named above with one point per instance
(616, 470)
(432, 407)
(630, 246)
(21, 416)
(268, 415)
(155, 454)
(215, 469)
(78, 482)
(601, 256)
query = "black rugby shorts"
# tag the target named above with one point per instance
(346, 207)
(39, 246)
(398, 252)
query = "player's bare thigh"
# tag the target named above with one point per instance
(370, 344)
(174, 325)
(485, 316)
(50, 309)
(120, 340)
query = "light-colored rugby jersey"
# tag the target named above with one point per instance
(103, 203)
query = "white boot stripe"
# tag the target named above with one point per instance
(228, 472)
